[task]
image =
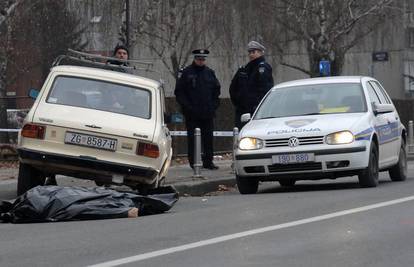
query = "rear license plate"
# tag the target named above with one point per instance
(90, 141)
(293, 158)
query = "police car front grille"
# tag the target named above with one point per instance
(307, 166)
(311, 140)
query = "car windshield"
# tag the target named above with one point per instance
(100, 95)
(312, 99)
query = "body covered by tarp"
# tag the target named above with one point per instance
(58, 203)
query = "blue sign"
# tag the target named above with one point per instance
(33, 93)
(177, 118)
(324, 68)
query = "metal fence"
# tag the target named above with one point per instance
(197, 146)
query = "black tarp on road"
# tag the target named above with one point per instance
(58, 203)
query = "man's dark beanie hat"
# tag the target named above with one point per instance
(120, 46)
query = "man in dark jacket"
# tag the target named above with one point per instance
(197, 91)
(251, 82)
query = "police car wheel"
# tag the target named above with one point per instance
(399, 171)
(288, 182)
(369, 176)
(247, 185)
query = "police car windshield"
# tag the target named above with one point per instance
(312, 100)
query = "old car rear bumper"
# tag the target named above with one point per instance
(38, 158)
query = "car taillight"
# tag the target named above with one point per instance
(148, 150)
(33, 131)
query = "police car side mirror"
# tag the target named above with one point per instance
(245, 117)
(383, 108)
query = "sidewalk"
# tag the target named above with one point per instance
(180, 176)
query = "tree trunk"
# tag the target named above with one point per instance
(4, 137)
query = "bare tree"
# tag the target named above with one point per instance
(7, 9)
(327, 28)
(171, 29)
(32, 34)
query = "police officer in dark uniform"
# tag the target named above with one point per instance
(197, 91)
(251, 82)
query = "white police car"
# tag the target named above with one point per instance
(321, 128)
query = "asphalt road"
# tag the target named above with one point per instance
(321, 223)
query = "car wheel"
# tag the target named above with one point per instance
(287, 182)
(399, 171)
(369, 176)
(28, 178)
(161, 181)
(247, 185)
(144, 189)
(51, 180)
(99, 183)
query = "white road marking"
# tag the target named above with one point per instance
(220, 239)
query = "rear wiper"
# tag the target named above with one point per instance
(313, 113)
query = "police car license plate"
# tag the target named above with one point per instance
(293, 158)
(90, 141)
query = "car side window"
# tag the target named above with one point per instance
(372, 94)
(379, 92)
(382, 90)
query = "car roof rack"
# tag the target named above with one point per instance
(77, 58)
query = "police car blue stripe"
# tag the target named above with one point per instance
(387, 132)
(364, 135)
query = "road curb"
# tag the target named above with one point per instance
(199, 188)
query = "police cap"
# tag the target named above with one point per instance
(200, 53)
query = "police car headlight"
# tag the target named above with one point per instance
(339, 138)
(249, 143)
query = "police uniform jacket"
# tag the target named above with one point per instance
(250, 84)
(197, 91)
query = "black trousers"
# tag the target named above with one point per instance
(206, 127)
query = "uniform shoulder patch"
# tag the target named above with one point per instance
(263, 66)
(262, 69)
(180, 73)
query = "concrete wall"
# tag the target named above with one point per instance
(244, 20)
(241, 21)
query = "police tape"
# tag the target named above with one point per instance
(173, 133)
(10, 130)
(215, 133)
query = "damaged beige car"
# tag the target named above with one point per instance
(95, 124)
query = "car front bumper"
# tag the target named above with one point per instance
(328, 163)
(84, 167)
